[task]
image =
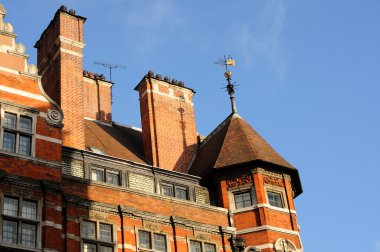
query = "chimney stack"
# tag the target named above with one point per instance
(168, 123)
(60, 62)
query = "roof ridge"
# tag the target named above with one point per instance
(217, 129)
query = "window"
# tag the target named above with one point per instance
(198, 246)
(242, 199)
(105, 175)
(20, 222)
(17, 133)
(275, 199)
(172, 190)
(152, 241)
(97, 237)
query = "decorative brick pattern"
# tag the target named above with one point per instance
(141, 182)
(73, 168)
(202, 195)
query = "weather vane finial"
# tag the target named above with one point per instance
(230, 86)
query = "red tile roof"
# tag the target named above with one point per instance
(233, 142)
(117, 141)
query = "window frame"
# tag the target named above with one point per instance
(106, 171)
(97, 241)
(37, 222)
(202, 242)
(175, 188)
(281, 192)
(152, 241)
(281, 201)
(19, 112)
(240, 190)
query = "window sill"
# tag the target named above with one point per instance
(250, 208)
(19, 247)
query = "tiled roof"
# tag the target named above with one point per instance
(233, 142)
(117, 141)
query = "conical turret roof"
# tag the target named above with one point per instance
(232, 143)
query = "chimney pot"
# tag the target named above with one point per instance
(174, 81)
(181, 84)
(158, 77)
(72, 11)
(63, 8)
(150, 73)
(167, 79)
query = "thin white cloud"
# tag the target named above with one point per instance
(377, 245)
(154, 24)
(262, 38)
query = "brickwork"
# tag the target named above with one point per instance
(97, 97)
(73, 168)
(60, 63)
(202, 195)
(126, 192)
(141, 182)
(168, 123)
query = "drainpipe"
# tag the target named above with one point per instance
(222, 235)
(64, 213)
(174, 233)
(121, 226)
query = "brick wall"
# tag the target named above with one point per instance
(168, 123)
(141, 182)
(97, 97)
(60, 64)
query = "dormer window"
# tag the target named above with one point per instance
(174, 190)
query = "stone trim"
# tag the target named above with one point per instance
(266, 228)
(51, 224)
(49, 139)
(70, 42)
(71, 52)
(167, 95)
(23, 93)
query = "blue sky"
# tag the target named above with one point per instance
(309, 83)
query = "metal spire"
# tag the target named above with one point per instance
(230, 86)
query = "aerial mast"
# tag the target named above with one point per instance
(110, 66)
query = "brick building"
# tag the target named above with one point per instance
(71, 179)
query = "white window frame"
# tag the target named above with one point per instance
(18, 111)
(97, 240)
(279, 190)
(105, 170)
(152, 249)
(238, 190)
(175, 187)
(20, 220)
(202, 244)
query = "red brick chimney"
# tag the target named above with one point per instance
(97, 97)
(168, 123)
(60, 63)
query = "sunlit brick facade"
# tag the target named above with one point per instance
(73, 180)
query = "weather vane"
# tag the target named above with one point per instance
(230, 86)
